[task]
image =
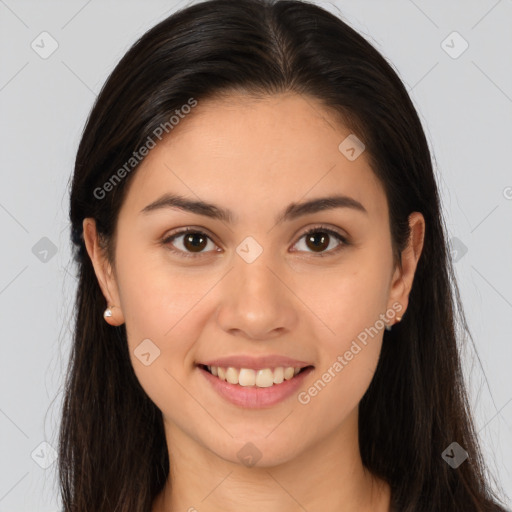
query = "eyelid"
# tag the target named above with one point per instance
(343, 239)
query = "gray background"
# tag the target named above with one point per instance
(465, 102)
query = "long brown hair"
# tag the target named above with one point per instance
(112, 447)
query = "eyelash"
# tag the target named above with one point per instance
(167, 241)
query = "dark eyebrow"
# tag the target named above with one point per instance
(293, 211)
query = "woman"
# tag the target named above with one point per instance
(264, 313)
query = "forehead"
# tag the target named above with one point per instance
(255, 154)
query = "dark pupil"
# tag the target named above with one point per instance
(190, 238)
(318, 237)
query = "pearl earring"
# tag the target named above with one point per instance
(108, 312)
(388, 327)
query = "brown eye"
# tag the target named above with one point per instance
(192, 242)
(319, 239)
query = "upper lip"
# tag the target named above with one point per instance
(255, 363)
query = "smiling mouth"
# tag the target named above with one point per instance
(248, 377)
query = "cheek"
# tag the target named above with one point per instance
(161, 309)
(349, 301)
(349, 298)
(340, 384)
(155, 296)
(157, 306)
(349, 356)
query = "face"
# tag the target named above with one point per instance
(255, 284)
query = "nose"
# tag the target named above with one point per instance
(256, 300)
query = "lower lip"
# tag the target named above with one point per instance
(253, 397)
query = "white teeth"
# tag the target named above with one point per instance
(264, 378)
(278, 375)
(288, 372)
(232, 375)
(247, 377)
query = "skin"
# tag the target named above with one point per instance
(255, 157)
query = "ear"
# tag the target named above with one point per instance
(403, 277)
(104, 272)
